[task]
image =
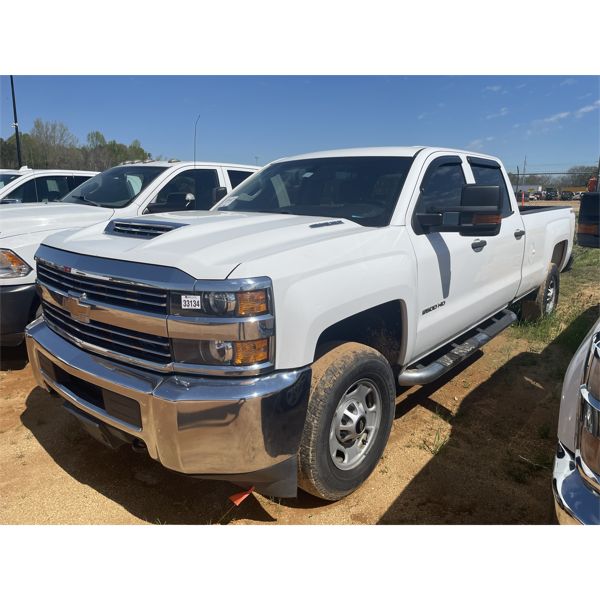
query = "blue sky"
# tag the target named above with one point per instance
(554, 120)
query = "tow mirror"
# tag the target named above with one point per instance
(480, 210)
(218, 193)
(479, 213)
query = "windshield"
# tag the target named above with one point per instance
(114, 188)
(361, 189)
(7, 178)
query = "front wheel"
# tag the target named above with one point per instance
(348, 422)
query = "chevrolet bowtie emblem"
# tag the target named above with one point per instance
(73, 303)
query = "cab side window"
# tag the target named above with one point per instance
(441, 187)
(487, 172)
(190, 190)
(77, 180)
(25, 192)
(52, 188)
(236, 177)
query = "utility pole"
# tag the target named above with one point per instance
(16, 123)
(524, 167)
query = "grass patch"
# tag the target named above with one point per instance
(434, 446)
(579, 292)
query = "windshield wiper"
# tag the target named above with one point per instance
(85, 200)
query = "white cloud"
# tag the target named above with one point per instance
(568, 81)
(521, 86)
(421, 116)
(586, 109)
(501, 113)
(557, 117)
(479, 143)
(492, 88)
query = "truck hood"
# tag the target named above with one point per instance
(28, 218)
(210, 244)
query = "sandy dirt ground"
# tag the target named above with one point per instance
(476, 447)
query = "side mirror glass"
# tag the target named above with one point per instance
(480, 210)
(479, 213)
(218, 193)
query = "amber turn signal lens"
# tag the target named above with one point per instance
(250, 353)
(252, 303)
(486, 219)
(588, 228)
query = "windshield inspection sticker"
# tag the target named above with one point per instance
(191, 302)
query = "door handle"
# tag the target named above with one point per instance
(478, 244)
(519, 233)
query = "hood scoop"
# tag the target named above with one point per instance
(140, 228)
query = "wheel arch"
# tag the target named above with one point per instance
(382, 327)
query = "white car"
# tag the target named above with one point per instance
(576, 478)
(261, 341)
(8, 175)
(32, 186)
(124, 191)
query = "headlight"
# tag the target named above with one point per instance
(220, 304)
(589, 439)
(221, 353)
(12, 265)
(231, 325)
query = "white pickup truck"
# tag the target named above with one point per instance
(124, 191)
(261, 342)
(30, 186)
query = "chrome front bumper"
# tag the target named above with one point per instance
(226, 428)
(574, 499)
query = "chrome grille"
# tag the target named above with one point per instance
(125, 342)
(138, 228)
(127, 295)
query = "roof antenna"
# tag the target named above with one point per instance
(195, 126)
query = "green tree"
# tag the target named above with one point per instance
(52, 145)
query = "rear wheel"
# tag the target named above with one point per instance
(350, 414)
(546, 297)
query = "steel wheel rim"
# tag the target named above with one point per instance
(355, 424)
(550, 296)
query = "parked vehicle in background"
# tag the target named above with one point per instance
(8, 175)
(123, 191)
(566, 195)
(576, 477)
(551, 194)
(261, 342)
(588, 225)
(41, 185)
(577, 195)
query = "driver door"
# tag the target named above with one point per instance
(451, 269)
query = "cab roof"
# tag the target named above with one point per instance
(406, 151)
(185, 163)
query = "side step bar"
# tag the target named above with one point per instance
(421, 375)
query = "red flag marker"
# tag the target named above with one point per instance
(238, 498)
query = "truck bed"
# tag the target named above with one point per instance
(527, 210)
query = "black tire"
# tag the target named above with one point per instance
(546, 298)
(333, 375)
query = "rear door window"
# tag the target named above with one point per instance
(236, 177)
(487, 172)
